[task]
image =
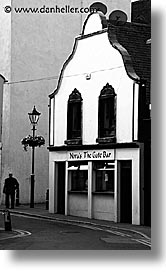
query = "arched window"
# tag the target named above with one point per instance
(74, 118)
(107, 115)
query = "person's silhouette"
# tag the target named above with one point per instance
(10, 185)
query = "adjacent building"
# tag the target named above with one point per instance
(99, 125)
(2, 81)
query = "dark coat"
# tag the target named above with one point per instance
(11, 184)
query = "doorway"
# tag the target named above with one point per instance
(126, 191)
(61, 188)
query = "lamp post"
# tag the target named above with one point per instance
(34, 118)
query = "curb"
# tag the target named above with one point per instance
(77, 222)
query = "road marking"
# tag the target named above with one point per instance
(20, 233)
(92, 226)
(143, 242)
(78, 222)
(23, 233)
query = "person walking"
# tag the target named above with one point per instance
(10, 186)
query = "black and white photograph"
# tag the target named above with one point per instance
(75, 127)
(75, 163)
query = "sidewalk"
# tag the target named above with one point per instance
(39, 210)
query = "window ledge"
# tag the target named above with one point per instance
(94, 192)
(78, 192)
(77, 141)
(106, 140)
(103, 193)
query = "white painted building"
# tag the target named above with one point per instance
(95, 159)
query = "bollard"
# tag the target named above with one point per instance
(47, 199)
(7, 220)
(17, 197)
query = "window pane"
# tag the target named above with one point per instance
(106, 117)
(79, 176)
(105, 181)
(104, 177)
(79, 180)
(74, 120)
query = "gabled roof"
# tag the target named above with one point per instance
(132, 38)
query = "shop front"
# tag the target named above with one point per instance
(96, 183)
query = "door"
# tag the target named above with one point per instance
(126, 191)
(61, 188)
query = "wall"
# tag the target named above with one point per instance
(141, 12)
(2, 80)
(104, 66)
(5, 40)
(137, 183)
(5, 70)
(103, 207)
(78, 205)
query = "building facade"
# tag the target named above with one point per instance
(33, 48)
(2, 81)
(96, 153)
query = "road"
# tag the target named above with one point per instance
(40, 234)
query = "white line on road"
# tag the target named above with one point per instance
(143, 242)
(92, 226)
(20, 233)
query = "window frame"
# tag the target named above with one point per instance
(106, 97)
(74, 136)
(51, 120)
(101, 169)
(77, 170)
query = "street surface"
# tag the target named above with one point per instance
(40, 234)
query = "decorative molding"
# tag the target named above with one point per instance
(103, 20)
(4, 79)
(107, 91)
(124, 53)
(71, 142)
(66, 148)
(75, 96)
(106, 140)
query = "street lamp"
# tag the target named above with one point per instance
(34, 118)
